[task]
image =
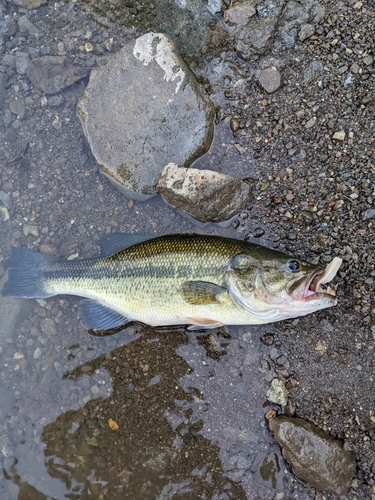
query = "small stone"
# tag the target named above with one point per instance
(28, 229)
(22, 62)
(277, 393)
(113, 424)
(26, 26)
(370, 213)
(89, 47)
(5, 199)
(271, 414)
(4, 214)
(315, 69)
(310, 123)
(321, 346)
(56, 123)
(18, 355)
(270, 80)
(240, 13)
(18, 108)
(340, 136)
(37, 353)
(354, 68)
(48, 249)
(215, 6)
(368, 60)
(306, 31)
(55, 101)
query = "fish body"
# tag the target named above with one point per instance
(205, 281)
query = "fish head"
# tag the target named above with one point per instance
(275, 286)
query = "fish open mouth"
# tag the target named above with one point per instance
(318, 281)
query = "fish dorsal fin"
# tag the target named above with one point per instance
(95, 316)
(201, 292)
(113, 243)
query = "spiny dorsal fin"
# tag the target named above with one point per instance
(113, 243)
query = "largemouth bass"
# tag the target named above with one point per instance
(204, 281)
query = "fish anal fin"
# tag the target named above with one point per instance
(98, 317)
(201, 292)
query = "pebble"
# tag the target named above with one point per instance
(277, 393)
(321, 347)
(18, 108)
(28, 229)
(310, 123)
(22, 62)
(306, 31)
(340, 136)
(26, 26)
(368, 60)
(270, 79)
(5, 199)
(48, 326)
(37, 353)
(370, 213)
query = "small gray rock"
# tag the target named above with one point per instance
(22, 62)
(5, 200)
(270, 80)
(143, 109)
(55, 101)
(306, 31)
(315, 69)
(18, 108)
(215, 6)
(315, 457)
(205, 195)
(370, 213)
(240, 13)
(53, 73)
(3, 81)
(27, 27)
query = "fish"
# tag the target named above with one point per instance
(178, 279)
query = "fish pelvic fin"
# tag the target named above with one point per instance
(97, 317)
(201, 292)
(26, 275)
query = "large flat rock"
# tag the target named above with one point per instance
(143, 109)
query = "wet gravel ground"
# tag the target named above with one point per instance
(189, 408)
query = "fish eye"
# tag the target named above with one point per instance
(294, 265)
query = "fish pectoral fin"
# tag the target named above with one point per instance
(201, 292)
(98, 317)
(199, 323)
(113, 243)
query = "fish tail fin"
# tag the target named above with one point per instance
(26, 275)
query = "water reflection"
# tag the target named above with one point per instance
(125, 446)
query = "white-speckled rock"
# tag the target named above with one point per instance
(205, 195)
(142, 109)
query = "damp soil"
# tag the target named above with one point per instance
(162, 413)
